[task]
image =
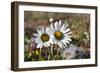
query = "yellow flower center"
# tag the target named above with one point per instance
(45, 37)
(58, 35)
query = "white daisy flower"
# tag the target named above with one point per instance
(60, 34)
(42, 38)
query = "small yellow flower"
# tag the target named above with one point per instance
(37, 53)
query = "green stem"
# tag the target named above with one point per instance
(49, 53)
(52, 50)
(62, 55)
(57, 53)
(40, 54)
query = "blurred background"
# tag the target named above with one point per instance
(78, 23)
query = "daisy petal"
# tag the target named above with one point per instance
(56, 24)
(59, 25)
(36, 35)
(63, 28)
(67, 30)
(39, 46)
(43, 30)
(60, 44)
